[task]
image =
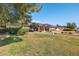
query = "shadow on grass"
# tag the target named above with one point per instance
(9, 40)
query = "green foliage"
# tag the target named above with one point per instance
(13, 38)
(2, 31)
(12, 30)
(34, 26)
(13, 13)
(9, 30)
(9, 39)
(22, 31)
(71, 25)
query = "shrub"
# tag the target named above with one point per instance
(70, 32)
(9, 39)
(13, 38)
(62, 32)
(12, 30)
(2, 30)
(22, 31)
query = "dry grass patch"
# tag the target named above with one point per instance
(44, 44)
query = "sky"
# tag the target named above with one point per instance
(57, 13)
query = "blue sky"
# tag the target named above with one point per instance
(57, 13)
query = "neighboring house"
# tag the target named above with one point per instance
(43, 27)
(77, 30)
(48, 27)
(56, 28)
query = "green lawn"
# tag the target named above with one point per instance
(43, 44)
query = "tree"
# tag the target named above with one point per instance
(26, 9)
(3, 14)
(71, 25)
(74, 25)
(34, 26)
(15, 13)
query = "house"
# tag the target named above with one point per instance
(56, 28)
(47, 27)
(43, 27)
(77, 30)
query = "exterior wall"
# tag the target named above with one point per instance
(38, 29)
(55, 29)
(77, 30)
(41, 28)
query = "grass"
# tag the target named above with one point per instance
(9, 40)
(43, 44)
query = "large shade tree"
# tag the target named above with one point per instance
(17, 12)
(71, 25)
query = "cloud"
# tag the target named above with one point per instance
(37, 21)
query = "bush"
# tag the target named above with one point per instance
(2, 30)
(9, 30)
(22, 31)
(70, 32)
(13, 38)
(12, 30)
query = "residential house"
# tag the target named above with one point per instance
(43, 27)
(56, 28)
(77, 30)
(48, 27)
